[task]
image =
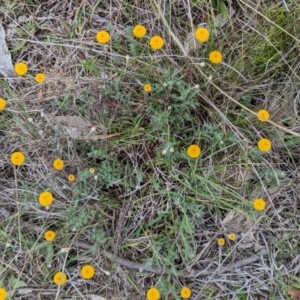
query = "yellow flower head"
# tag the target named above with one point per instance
(215, 57)
(193, 151)
(21, 68)
(71, 177)
(264, 145)
(231, 236)
(156, 42)
(2, 104)
(185, 293)
(153, 294)
(49, 235)
(102, 37)
(201, 34)
(92, 170)
(87, 272)
(259, 204)
(139, 31)
(45, 198)
(3, 294)
(58, 164)
(17, 158)
(60, 278)
(221, 242)
(147, 88)
(40, 77)
(263, 115)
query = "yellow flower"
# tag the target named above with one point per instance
(231, 236)
(60, 278)
(215, 57)
(153, 294)
(263, 115)
(17, 158)
(156, 42)
(58, 164)
(92, 170)
(40, 77)
(21, 68)
(87, 272)
(71, 177)
(3, 294)
(2, 104)
(193, 151)
(221, 242)
(185, 293)
(259, 204)
(102, 37)
(147, 88)
(264, 145)
(139, 31)
(45, 198)
(202, 34)
(49, 235)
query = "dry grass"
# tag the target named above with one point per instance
(149, 219)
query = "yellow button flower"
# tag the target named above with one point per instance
(58, 164)
(185, 293)
(153, 294)
(49, 235)
(92, 170)
(2, 104)
(45, 198)
(60, 278)
(17, 158)
(139, 31)
(147, 88)
(221, 242)
(3, 294)
(263, 115)
(259, 204)
(264, 145)
(156, 42)
(193, 151)
(231, 236)
(102, 37)
(87, 272)
(40, 77)
(201, 34)
(215, 57)
(21, 68)
(71, 177)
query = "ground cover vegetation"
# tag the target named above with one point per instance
(150, 150)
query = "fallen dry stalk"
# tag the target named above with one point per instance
(181, 273)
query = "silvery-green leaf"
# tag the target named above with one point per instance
(6, 66)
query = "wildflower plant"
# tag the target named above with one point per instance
(177, 148)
